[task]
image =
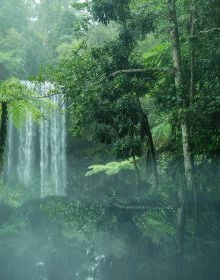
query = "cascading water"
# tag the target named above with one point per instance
(36, 153)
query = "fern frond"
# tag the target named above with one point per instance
(111, 168)
(162, 134)
(24, 100)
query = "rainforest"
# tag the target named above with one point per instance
(109, 139)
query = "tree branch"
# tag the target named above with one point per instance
(131, 71)
(28, 97)
(121, 205)
(138, 70)
(210, 30)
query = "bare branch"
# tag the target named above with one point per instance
(131, 71)
(140, 207)
(29, 97)
(210, 30)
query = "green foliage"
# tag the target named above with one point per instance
(13, 197)
(23, 102)
(162, 134)
(111, 168)
(13, 14)
(84, 218)
(105, 11)
(11, 54)
(155, 56)
(106, 105)
(8, 233)
(158, 225)
(103, 109)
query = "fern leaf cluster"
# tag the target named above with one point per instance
(111, 168)
(23, 102)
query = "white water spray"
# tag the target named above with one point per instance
(36, 154)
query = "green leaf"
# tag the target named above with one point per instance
(111, 168)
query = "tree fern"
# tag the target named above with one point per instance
(111, 168)
(156, 55)
(162, 134)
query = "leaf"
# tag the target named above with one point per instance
(155, 55)
(24, 102)
(111, 168)
(162, 134)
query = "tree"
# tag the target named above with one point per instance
(12, 54)
(163, 66)
(128, 129)
(13, 14)
(185, 137)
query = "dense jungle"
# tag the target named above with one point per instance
(109, 140)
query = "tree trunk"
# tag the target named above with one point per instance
(185, 127)
(3, 133)
(192, 54)
(192, 94)
(180, 234)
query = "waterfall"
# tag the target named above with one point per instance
(36, 153)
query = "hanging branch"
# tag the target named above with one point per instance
(147, 136)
